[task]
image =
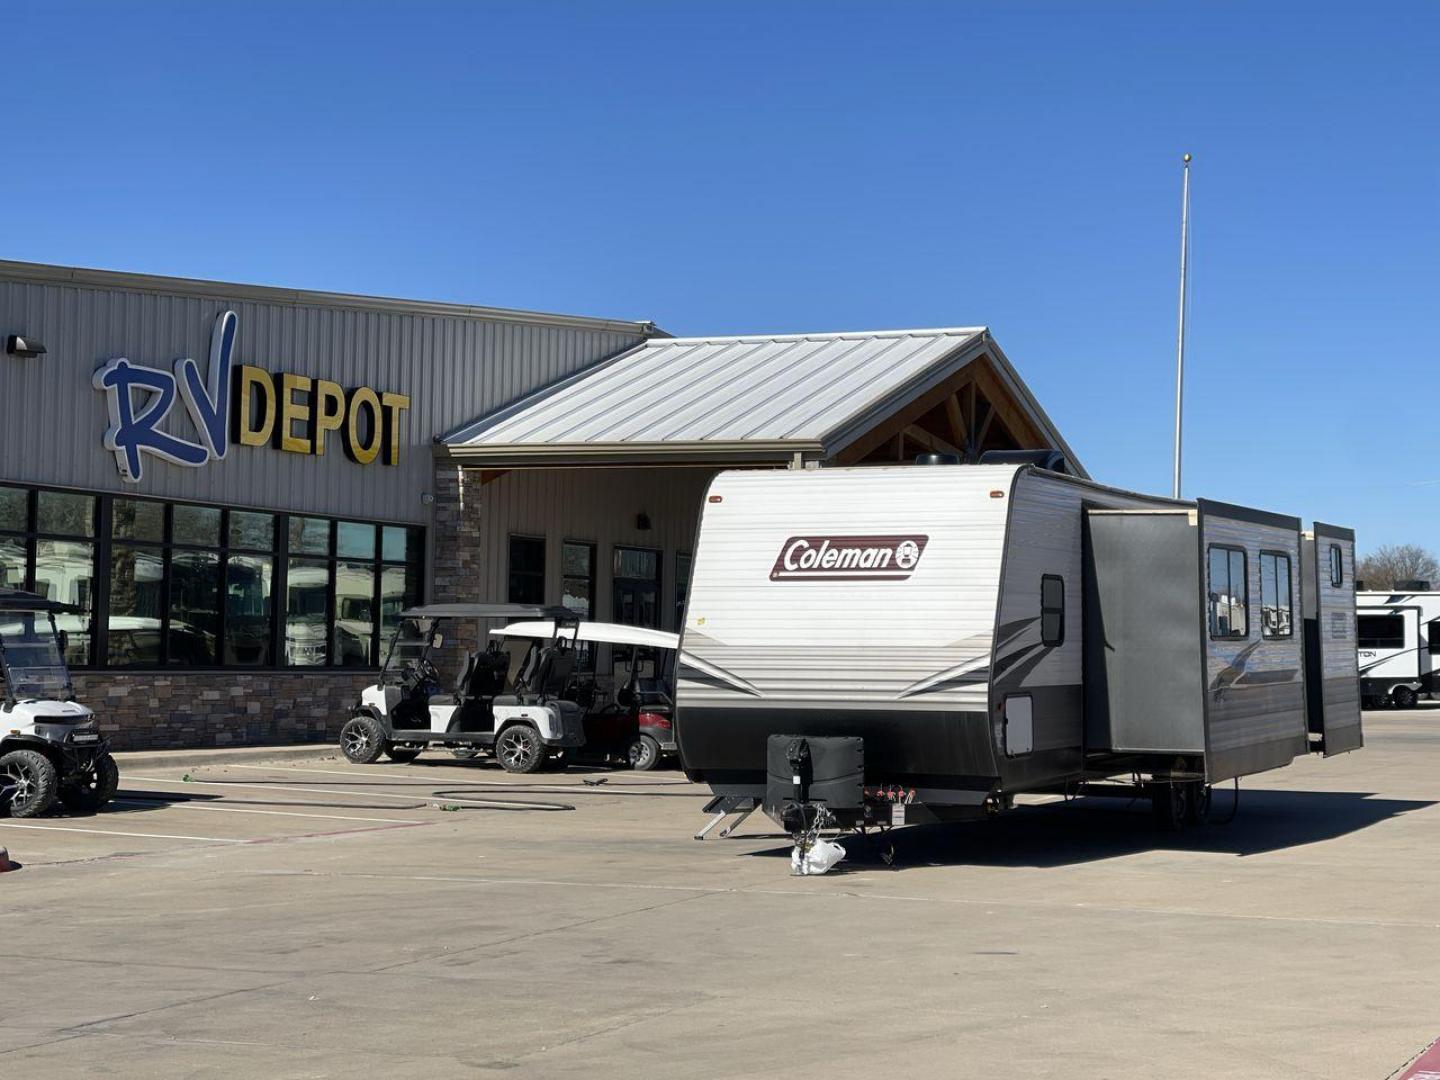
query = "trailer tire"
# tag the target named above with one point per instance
(30, 778)
(402, 755)
(1402, 697)
(361, 740)
(87, 792)
(643, 753)
(519, 749)
(1198, 811)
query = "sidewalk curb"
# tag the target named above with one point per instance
(233, 755)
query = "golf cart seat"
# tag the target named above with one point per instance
(543, 678)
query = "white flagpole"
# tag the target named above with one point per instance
(1180, 335)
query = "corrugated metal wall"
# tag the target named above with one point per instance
(453, 367)
(599, 506)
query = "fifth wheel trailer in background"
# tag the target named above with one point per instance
(984, 631)
(1399, 641)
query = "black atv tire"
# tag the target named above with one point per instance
(31, 780)
(643, 753)
(87, 792)
(402, 755)
(519, 749)
(361, 740)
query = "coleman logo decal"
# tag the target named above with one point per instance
(849, 558)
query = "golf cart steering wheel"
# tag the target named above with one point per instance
(424, 671)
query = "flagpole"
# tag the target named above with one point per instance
(1180, 335)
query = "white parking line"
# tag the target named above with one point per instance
(601, 789)
(184, 805)
(116, 832)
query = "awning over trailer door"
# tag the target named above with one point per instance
(767, 399)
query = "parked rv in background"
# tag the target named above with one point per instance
(1399, 641)
(918, 643)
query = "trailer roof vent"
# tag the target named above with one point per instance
(1051, 460)
(937, 459)
(1413, 585)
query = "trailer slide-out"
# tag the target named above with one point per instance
(900, 644)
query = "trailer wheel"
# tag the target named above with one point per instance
(362, 741)
(520, 750)
(643, 753)
(27, 783)
(1170, 805)
(1198, 812)
(88, 791)
(1402, 697)
(401, 755)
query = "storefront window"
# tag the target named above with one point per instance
(249, 582)
(64, 514)
(577, 591)
(307, 597)
(636, 586)
(137, 578)
(65, 571)
(194, 608)
(187, 585)
(527, 570)
(354, 613)
(195, 525)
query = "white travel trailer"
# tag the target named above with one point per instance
(918, 643)
(1398, 641)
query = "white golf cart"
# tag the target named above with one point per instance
(511, 706)
(50, 745)
(631, 723)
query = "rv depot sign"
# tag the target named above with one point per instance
(848, 558)
(243, 405)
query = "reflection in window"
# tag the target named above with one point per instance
(137, 519)
(195, 525)
(13, 560)
(309, 536)
(194, 607)
(14, 509)
(354, 541)
(65, 571)
(1337, 566)
(307, 594)
(1275, 608)
(393, 600)
(137, 579)
(1229, 593)
(248, 585)
(636, 587)
(252, 530)
(65, 514)
(354, 613)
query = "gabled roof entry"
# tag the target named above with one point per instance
(729, 399)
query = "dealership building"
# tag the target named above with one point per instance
(242, 486)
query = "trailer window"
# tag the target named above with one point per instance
(1052, 610)
(1432, 635)
(1276, 611)
(1337, 566)
(1381, 631)
(1229, 593)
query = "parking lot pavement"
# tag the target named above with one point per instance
(317, 919)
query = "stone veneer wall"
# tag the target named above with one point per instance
(168, 711)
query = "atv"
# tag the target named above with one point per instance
(50, 746)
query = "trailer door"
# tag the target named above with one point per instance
(1332, 665)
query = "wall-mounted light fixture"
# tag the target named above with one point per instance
(28, 348)
(642, 521)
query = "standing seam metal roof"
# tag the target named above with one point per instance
(801, 391)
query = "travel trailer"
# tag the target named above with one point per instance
(1398, 641)
(894, 644)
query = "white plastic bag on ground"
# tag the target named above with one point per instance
(818, 858)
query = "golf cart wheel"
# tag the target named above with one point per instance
(643, 753)
(1402, 697)
(402, 755)
(362, 741)
(520, 750)
(28, 783)
(1170, 805)
(88, 791)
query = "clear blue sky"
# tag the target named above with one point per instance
(772, 167)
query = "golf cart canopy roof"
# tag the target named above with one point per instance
(18, 600)
(602, 632)
(487, 611)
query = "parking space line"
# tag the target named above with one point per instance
(186, 805)
(117, 832)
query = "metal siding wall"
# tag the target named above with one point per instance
(454, 368)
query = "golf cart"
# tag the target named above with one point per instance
(50, 746)
(509, 706)
(633, 723)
